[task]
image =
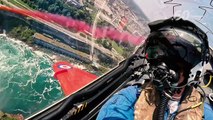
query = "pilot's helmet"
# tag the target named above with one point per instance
(177, 43)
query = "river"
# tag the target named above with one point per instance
(26, 79)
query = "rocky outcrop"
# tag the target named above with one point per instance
(6, 116)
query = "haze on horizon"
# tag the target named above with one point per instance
(156, 9)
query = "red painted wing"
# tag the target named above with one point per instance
(71, 78)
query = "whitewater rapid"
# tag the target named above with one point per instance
(26, 79)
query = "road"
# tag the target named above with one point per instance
(59, 44)
(10, 4)
(22, 5)
(78, 37)
(72, 35)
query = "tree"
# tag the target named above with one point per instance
(51, 8)
(59, 7)
(23, 33)
(106, 44)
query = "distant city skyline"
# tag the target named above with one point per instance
(156, 9)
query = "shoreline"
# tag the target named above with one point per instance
(34, 74)
(42, 52)
(35, 49)
(54, 57)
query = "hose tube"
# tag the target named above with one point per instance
(161, 108)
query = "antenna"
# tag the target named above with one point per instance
(205, 9)
(171, 2)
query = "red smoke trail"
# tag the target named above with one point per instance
(79, 26)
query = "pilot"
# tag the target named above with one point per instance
(176, 51)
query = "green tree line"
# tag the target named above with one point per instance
(60, 7)
(105, 43)
(23, 33)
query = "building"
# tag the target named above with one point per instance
(75, 3)
(124, 18)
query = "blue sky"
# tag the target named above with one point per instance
(156, 9)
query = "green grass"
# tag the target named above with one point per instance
(119, 49)
(19, 3)
(3, 3)
(103, 69)
(24, 4)
(82, 35)
(15, 3)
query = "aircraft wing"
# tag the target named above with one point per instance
(71, 78)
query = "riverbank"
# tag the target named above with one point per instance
(6, 116)
(38, 51)
(15, 27)
(26, 79)
(52, 56)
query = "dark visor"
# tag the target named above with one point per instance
(176, 44)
